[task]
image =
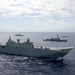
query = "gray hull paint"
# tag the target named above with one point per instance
(52, 54)
(28, 49)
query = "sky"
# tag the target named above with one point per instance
(37, 15)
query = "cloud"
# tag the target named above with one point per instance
(37, 15)
(34, 7)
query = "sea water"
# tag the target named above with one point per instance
(18, 65)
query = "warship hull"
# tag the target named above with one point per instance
(51, 53)
(55, 40)
(29, 50)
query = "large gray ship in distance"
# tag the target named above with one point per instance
(28, 49)
(57, 39)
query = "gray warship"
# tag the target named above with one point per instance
(57, 39)
(29, 50)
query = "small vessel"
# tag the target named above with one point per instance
(30, 50)
(19, 35)
(56, 39)
(65, 36)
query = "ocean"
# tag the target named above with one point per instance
(19, 65)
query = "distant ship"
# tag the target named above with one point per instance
(28, 49)
(65, 36)
(19, 35)
(56, 39)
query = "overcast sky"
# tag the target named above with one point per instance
(37, 15)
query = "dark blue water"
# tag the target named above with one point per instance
(17, 65)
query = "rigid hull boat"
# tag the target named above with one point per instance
(28, 49)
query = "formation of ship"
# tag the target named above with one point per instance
(30, 50)
(57, 39)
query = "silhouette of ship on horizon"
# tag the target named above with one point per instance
(57, 39)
